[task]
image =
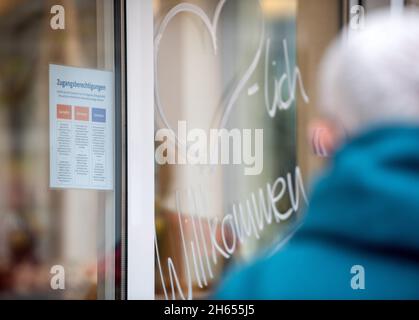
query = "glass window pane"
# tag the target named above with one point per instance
(224, 65)
(69, 227)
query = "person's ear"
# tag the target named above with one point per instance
(324, 137)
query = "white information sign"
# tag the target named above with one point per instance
(81, 109)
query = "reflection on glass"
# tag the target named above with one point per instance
(39, 227)
(224, 65)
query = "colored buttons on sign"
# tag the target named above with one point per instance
(98, 115)
(81, 113)
(64, 112)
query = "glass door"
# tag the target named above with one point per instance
(206, 80)
(61, 149)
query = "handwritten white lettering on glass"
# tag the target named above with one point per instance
(246, 219)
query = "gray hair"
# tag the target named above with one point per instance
(371, 76)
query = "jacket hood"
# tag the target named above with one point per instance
(370, 192)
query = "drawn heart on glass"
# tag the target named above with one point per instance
(211, 27)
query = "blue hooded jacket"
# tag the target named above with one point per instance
(360, 237)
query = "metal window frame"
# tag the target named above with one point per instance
(120, 147)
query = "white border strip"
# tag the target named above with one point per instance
(140, 175)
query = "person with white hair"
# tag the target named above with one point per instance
(359, 238)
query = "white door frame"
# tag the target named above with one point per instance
(140, 149)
